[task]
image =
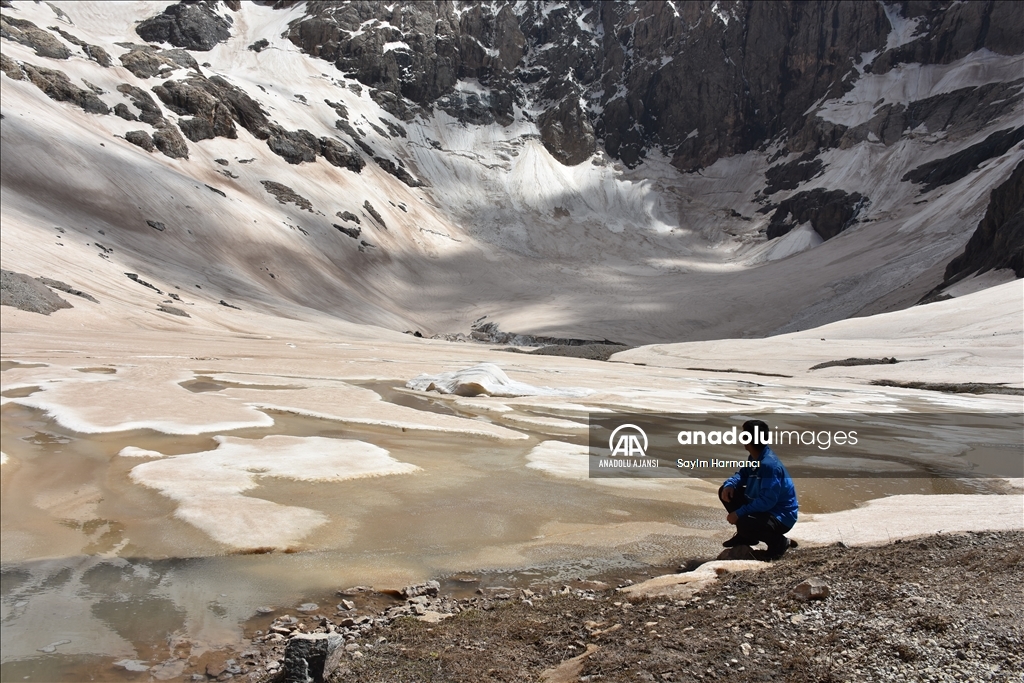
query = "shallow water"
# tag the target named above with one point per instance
(94, 559)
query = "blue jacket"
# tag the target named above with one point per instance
(769, 488)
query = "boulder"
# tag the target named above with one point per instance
(311, 658)
(341, 156)
(193, 26)
(93, 52)
(813, 588)
(121, 110)
(140, 138)
(295, 147)
(169, 141)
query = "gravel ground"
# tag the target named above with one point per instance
(942, 608)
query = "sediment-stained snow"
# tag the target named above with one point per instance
(485, 379)
(208, 486)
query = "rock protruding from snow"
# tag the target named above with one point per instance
(829, 212)
(193, 26)
(485, 379)
(25, 293)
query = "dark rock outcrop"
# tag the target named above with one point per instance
(566, 132)
(295, 147)
(150, 111)
(67, 289)
(348, 216)
(169, 141)
(285, 194)
(134, 277)
(998, 241)
(146, 61)
(25, 32)
(140, 138)
(351, 232)
(11, 68)
(210, 117)
(368, 207)
(789, 175)
(950, 31)
(121, 110)
(216, 105)
(697, 80)
(311, 658)
(93, 52)
(259, 45)
(398, 171)
(829, 212)
(193, 26)
(28, 294)
(341, 156)
(956, 166)
(173, 310)
(58, 86)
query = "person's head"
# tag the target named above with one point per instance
(759, 434)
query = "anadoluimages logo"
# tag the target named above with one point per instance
(628, 443)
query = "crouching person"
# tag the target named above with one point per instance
(761, 501)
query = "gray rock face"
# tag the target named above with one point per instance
(339, 155)
(285, 194)
(215, 105)
(140, 138)
(566, 132)
(998, 242)
(25, 32)
(121, 110)
(210, 118)
(956, 166)
(150, 110)
(294, 147)
(146, 61)
(169, 141)
(11, 68)
(27, 294)
(193, 26)
(398, 171)
(829, 212)
(697, 80)
(58, 86)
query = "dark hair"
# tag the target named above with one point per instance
(759, 430)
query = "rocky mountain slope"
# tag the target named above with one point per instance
(609, 170)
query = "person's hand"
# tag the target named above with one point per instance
(732, 518)
(727, 494)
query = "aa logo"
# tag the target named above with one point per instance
(628, 444)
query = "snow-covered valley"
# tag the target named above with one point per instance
(234, 413)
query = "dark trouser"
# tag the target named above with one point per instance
(757, 527)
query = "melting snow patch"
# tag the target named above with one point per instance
(133, 452)
(560, 459)
(209, 485)
(485, 379)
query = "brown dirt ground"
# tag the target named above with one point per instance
(942, 608)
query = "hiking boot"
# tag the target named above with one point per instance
(735, 541)
(777, 554)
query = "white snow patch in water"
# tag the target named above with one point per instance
(560, 459)
(135, 452)
(485, 379)
(208, 486)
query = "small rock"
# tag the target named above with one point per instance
(813, 588)
(746, 648)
